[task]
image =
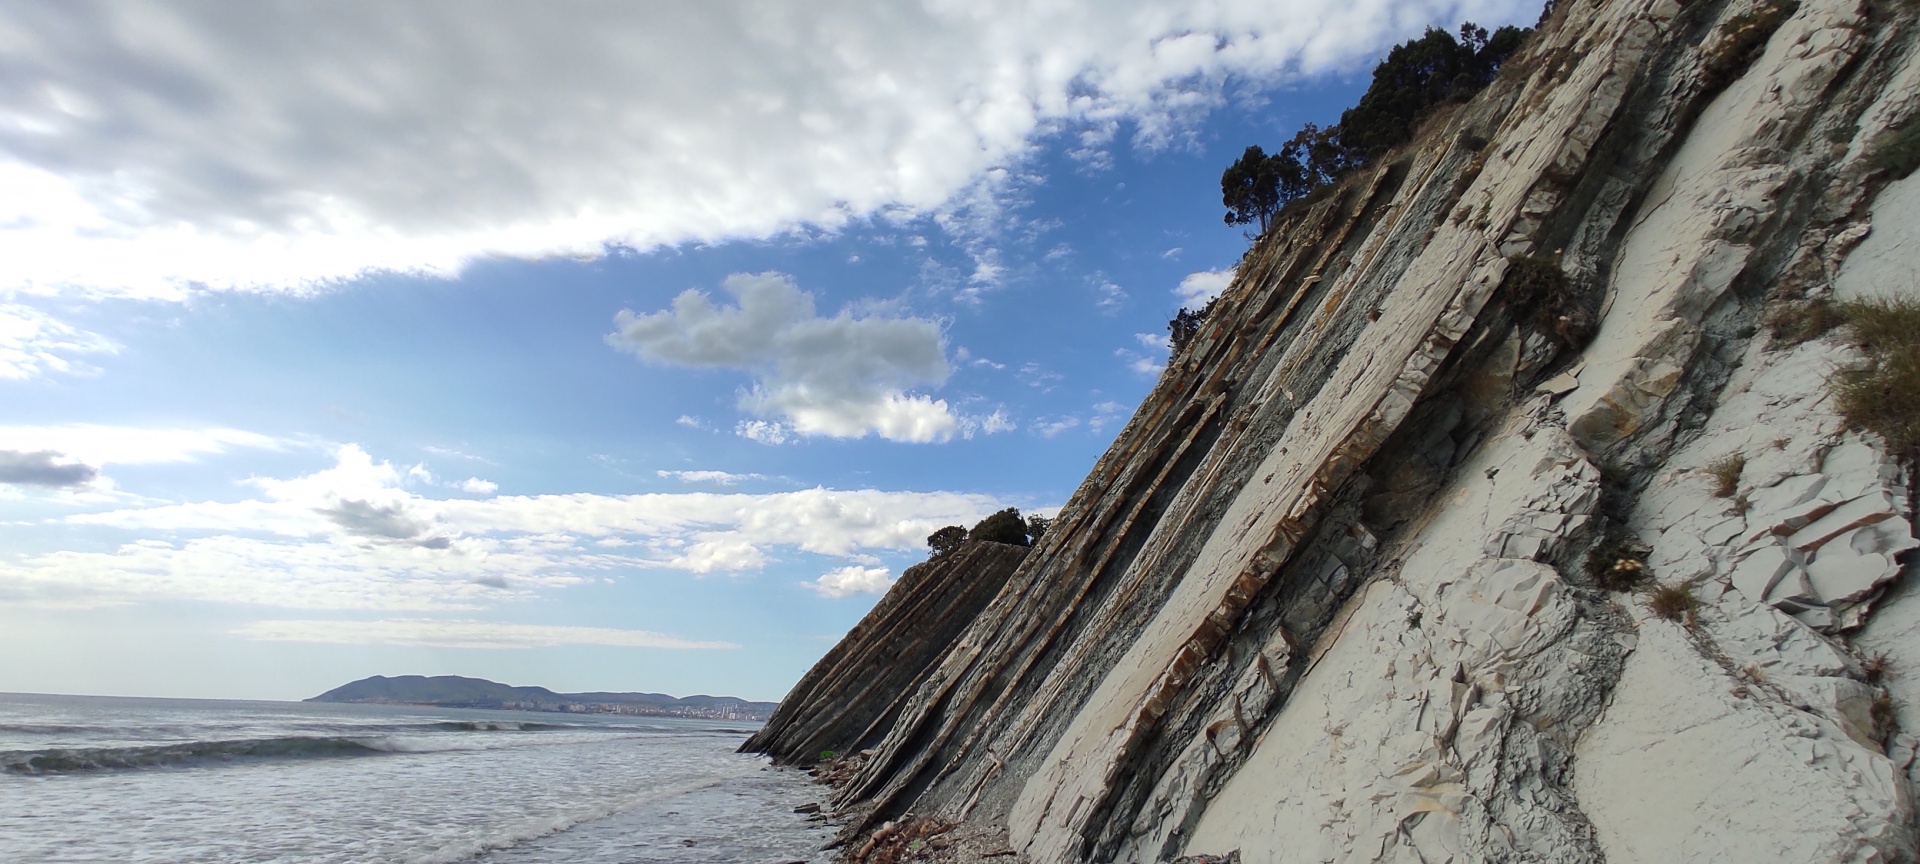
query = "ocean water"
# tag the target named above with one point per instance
(179, 780)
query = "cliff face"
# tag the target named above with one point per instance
(851, 697)
(1328, 597)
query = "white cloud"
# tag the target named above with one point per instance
(843, 376)
(852, 579)
(1105, 413)
(1055, 426)
(150, 147)
(33, 343)
(724, 478)
(435, 633)
(1199, 287)
(1154, 341)
(100, 445)
(762, 431)
(996, 423)
(477, 486)
(1141, 364)
(352, 536)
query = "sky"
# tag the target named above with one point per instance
(596, 346)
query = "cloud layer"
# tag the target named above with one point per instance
(842, 376)
(148, 147)
(436, 633)
(354, 536)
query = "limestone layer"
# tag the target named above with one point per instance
(849, 698)
(1328, 596)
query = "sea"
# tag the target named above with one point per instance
(189, 780)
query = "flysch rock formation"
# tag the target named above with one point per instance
(849, 698)
(1328, 598)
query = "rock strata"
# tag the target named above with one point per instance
(849, 698)
(1372, 575)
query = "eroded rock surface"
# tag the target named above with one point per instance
(1348, 587)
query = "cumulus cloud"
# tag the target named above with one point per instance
(389, 522)
(44, 468)
(436, 633)
(477, 486)
(151, 147)
(1200, 287)
(852, 579)
(843, 376)
(722, 478)
(353, 536)
(33, 344)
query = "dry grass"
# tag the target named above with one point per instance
(1794, 323)
(1874, 667)
(1884, 396)
(1675, 603)
(1725, 472)
(1886, 720)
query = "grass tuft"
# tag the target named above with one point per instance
(1884, 396)
(1794, 323)
(1725, 472)
(1675, 603)
(1874, 667)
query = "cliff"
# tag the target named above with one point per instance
(1493, 514)
(852, 696)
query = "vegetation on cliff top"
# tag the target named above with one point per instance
(1005, 526)
(1416, 77)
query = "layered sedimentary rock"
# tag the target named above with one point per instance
(1329, 596)
(848, 699)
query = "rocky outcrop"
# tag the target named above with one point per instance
(849, 698)
(1347, 587)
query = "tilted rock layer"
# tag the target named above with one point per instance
(1328, 597)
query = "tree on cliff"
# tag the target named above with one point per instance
(1005, 526)
(1416, 76)
(1250, 188)
(946, 540)
(1186, 325)
(1037, 526)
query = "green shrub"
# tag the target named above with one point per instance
(946, 540)
(1005, 526)
(1898, 152)
(1537, 287)
(1616, 563)
(1884, 396)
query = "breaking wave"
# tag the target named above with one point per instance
(66, 761)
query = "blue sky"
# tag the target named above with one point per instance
(612, 347)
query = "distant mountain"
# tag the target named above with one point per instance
(454, 691)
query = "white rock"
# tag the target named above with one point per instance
(1862, 511)
(1842, 575)
(1681, 769)
(1757, 574)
